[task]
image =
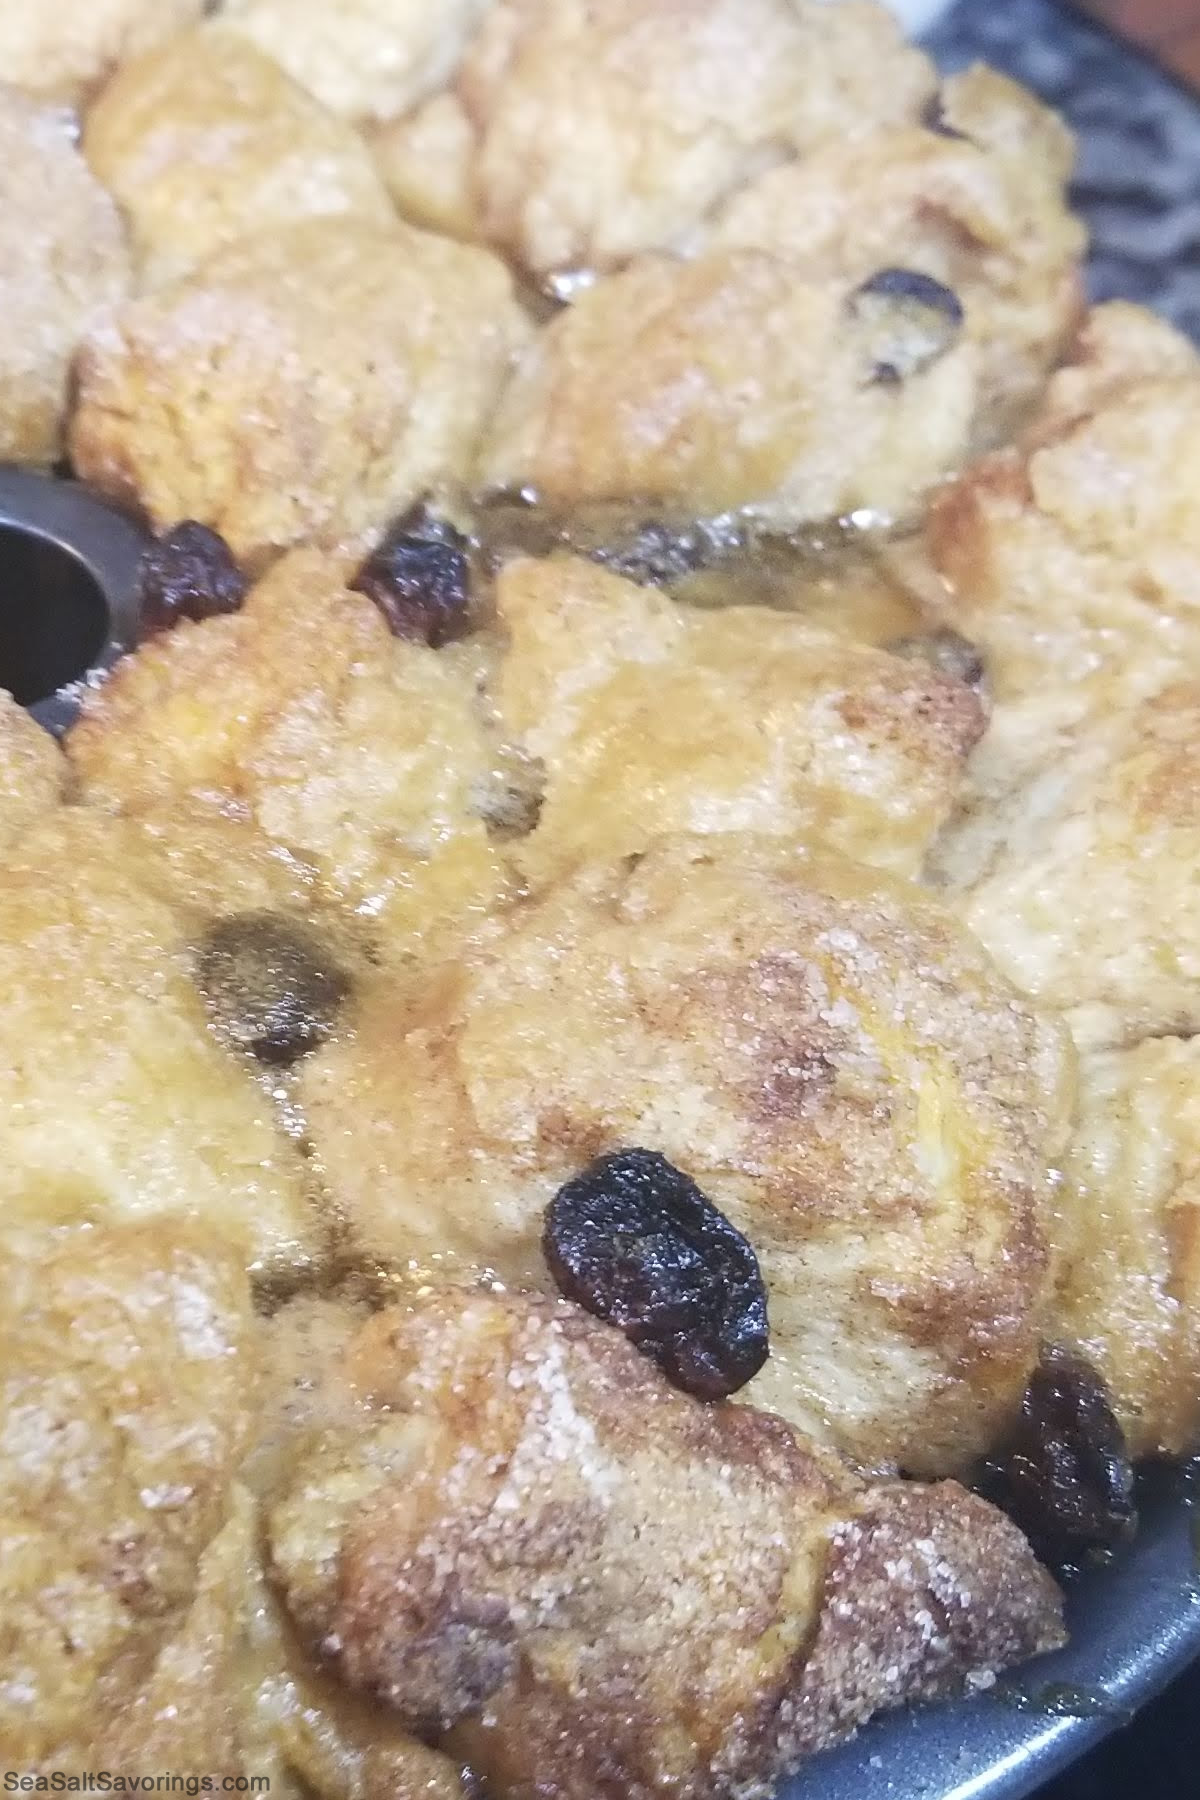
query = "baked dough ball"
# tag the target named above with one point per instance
(1073, 559)
(32, 772)
(425, 161)
(983, 211)
(127, 1372)
(61, 49)
(309, 1733)
(137, 1622)
(98, 930)
(1132, 1298)
(605, 130)
(1080, 881)
(819, 356)
(64, 262)
(205, 140)
(835, 1063)
(594, 1583)
(731, 381)
(650, 717)
(310, 383)
(364, 59)
(360, 752)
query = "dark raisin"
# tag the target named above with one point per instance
(946, 651)
(419, 577)
(188, 573)
(1068, 1471)
(271, 987)
(907, 319)
(635, 1241)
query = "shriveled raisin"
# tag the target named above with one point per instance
(419, 576)
(907, 320)
(1068, 1471)
(188, 573)
(947, 651)
(270, 984)
(635, 1241)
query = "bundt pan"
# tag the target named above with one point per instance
(68, 610)
(1134, 1624)
(68, 592)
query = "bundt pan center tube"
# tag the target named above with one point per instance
(68, 592)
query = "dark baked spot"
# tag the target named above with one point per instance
(926, 1588)
(441, 1673)
(934, 119)
(945, 650)
(906, 320)
(510, 796)
(271, 986)
(188, 573)
(419, 576)
(635, 1241)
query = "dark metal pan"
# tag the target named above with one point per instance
(1134, 1626)
(68, 591)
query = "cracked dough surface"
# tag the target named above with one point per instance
(307, 384)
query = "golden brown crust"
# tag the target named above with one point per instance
(424, 158)
(729, 381)
(128, 1371)
(295, 1723)
(136, 1621)
(64, 265)
(615, 129)
(1080, 879)
(816, 1047)
(603, 1587)
(205, 141)
(367, 59)
(359, 752)
(926, 1588)
(33, 773)
(1072, 558)
(983, 211)
(650, 718)
(489, 1519)
(1131, 1296)
(61, 52)
(740, 378)
(186, 1710)
(117, 1103)
(305, 385)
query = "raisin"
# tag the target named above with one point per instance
(946, 651)
(633, 1240)
(270, 986)
(908, 321)
(1068, 1471)
(419, 576)
(188, 573)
